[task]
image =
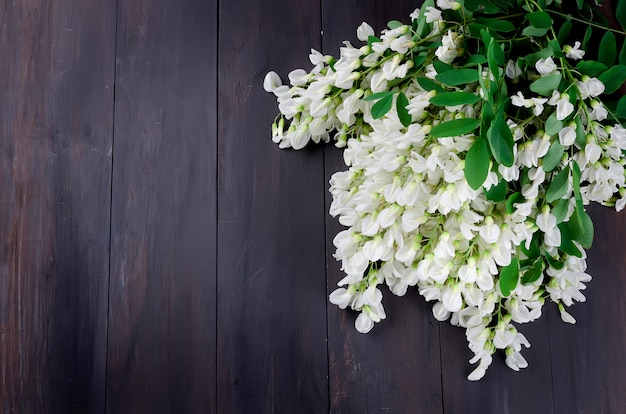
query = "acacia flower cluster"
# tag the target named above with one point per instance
(473, 137)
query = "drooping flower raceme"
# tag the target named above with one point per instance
(471, 155)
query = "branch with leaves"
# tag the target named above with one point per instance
(474, 137)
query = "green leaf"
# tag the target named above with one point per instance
(474, 60)
(607, 51)
(496, 25)
(403, 114)
(418, 60)
(581, 137)
(557, 264)
(591, 67)
(545, 85)
(567, 246)
(576, 184)
(620, 110)
(477, 163)
(428, 85)
(540, 19)
(513, 198)
(553, 156)
(553, 125)
(495, 56)
(620, 13)
(556, 48)
(394, 24)
(454, 98)
(533, 31)
(501, 141)
(481, 6)
(560, 210)
(442, 67)
(509, 277)
(454, 128)
(586, 38)
(558, 186)
(381, 107)
(532, 58)
(377, 96)
(533, 273)
(458, 77)
(581, 227)
(372, 39)
(496, 193)
(613, 78)
(533, 251)
(622, 54)
(564, 31)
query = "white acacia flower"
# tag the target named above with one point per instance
(590, 87)
(271, 82)
(574, 52)
(447, 5)
(599, 112)
(340, 297)
(432, 14)
(567, 136)
(364, 31)
(512, 70)
(450, 47)
(563, 105)
(546, 66)
(363, 323)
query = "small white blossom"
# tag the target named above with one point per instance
(575, 52)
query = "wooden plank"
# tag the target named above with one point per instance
(395, 367)
(56, 119)
(501, 390)
(163, 256)
(587, 358)
(271, 289)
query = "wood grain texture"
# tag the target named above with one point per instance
(395, 367)
(501, 390)
(588, 365)
(271, 288)
(163, 254)
(56, 117)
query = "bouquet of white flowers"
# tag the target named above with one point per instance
(474, 138)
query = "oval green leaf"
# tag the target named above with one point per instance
(454, 98)
(458, 77)
(403, 114)
(496, 25)
(533, 31)
(428, 85)
(500, 141)
(553, 125)
(381, 107)
(540, 19)
(553, 156)
(613, 78)
(477, 163)
(558, 186)
(496, 193)
(620, 13)
(454, 128)
(545, 85)
(533, 273)
(591, 67)
(509, 277)
(607, 51)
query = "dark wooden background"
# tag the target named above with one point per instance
(159, 254)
